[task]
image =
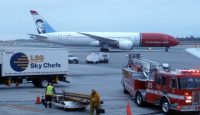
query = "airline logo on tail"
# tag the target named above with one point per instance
(41, 24)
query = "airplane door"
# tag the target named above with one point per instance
(67, 39)
(136, 39)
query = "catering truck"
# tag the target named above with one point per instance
(149, 81)
(38, 65)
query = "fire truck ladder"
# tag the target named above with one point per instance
(145, 65)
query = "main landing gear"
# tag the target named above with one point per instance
(103, 49)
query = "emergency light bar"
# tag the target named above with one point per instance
(191, 71)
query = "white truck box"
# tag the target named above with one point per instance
(35, 64)
(97, 57)
(92, 58)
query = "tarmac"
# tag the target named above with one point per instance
(105, 78)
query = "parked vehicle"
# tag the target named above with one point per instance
(73, 59)
(155, 83)
(97, 57)
(39, 65)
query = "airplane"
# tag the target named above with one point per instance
(105, 40)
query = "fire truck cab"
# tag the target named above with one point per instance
(171, 90)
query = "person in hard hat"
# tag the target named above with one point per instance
(49, 92)
(94, 102)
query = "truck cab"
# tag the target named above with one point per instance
(180, 90)
(185, 85)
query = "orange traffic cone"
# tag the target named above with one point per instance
(38, 101)
(128, 109)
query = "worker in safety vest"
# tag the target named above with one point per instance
(49, 92)
(94, 102)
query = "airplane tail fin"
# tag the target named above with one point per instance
(41, 23)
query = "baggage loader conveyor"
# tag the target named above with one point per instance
(71, 101)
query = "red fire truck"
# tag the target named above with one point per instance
(171, 90)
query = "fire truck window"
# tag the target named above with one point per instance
(189, 82)
(164, 81)
(158, 79)
(174, 83)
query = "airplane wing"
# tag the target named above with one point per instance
(38, 37)
(100, 39)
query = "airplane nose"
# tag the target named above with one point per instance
(173, 41)
(158, 40)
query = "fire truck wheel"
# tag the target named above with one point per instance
(165, 106)
(138, 99)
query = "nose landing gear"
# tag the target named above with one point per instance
(166, 49)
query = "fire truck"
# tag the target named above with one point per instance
(155, 83)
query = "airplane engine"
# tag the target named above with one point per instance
(125, 45)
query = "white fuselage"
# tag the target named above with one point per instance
(76, 39)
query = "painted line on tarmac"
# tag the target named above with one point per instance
(23, 108)
(194, 51)
(153, 113)
(17, 101)
(116, 99)
(92, 75)
(36, 91)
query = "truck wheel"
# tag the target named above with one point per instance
(74, 61)
(35, 83)
(138, 99)
(83, 109)
(165, 106)
(70, 62)
(104, 49)
(44, 83)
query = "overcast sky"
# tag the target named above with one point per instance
(175, 17)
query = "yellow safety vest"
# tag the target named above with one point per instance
(49, 90)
